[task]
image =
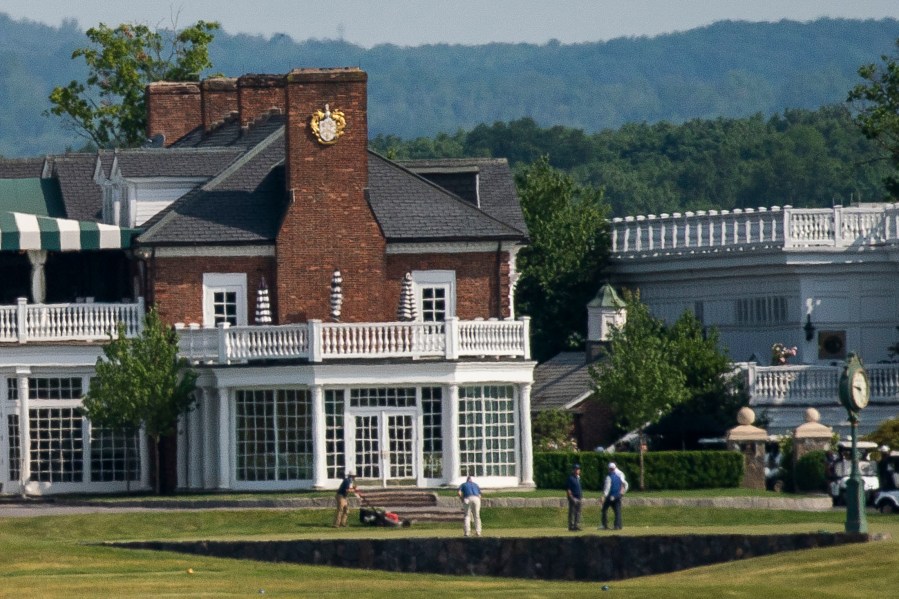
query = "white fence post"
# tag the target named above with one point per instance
(315, 340)
(451, 330)
(22, 319)
(223, 342)
(526, 336)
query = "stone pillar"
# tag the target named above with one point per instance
(319, 440)
(811, 436)
(750, 441)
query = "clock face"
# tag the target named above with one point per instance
(859, 391)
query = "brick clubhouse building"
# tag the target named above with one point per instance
(344, 311)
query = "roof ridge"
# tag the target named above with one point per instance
(468, 205)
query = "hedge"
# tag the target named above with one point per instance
(662, 469)
(809, 472)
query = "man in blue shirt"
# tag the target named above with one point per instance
(575, 496)
(470, 494)
(343, 507)
(613, 488)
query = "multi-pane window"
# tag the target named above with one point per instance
(15, 446)
(224, 307)
(761, 310)
(432, 428)
(334, 447)
(487, 430)
(57, 445)
(433, 304)
(12, 389)
(115, 456)
(383, 397)
(54, 388)
(274, 435)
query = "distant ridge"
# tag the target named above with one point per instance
(725, 69)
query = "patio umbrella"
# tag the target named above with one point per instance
(407, 311)
(263, 308)
(336, 295)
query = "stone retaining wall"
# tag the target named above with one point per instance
(587, 557)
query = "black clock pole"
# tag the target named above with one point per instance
(856, 520)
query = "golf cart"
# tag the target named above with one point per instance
(842, 468)
(887, 502)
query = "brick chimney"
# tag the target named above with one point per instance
(173, 109)
(329, 224)
(257, 95)
(219, 100)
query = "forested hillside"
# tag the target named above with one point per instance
(801, 157)
(729, 69)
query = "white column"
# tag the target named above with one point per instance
(195, 443)
(451, 434)
(210, 425)
(182, 452)
(319, 441)
(224, 438)
(527, 446)
(24, 428)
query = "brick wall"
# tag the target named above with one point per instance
(482, 280)
(219, 100)
(258, 94)
(178, 284)
(173, 109)
(329, 224)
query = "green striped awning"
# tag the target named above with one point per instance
(19, 231)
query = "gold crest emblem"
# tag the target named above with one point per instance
(327, 125)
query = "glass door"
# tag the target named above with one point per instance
(385, 446)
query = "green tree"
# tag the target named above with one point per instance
(552, 430)
(886, 434)
(876, 103)
(715, 393)
(560, 269)
(641, 380)
(108, 108)
(141, 383)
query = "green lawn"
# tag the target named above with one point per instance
(54, 556)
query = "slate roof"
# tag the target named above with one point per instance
(243, 204)
(179, 162)
(406, 206)
(21, 168)
(496, 187)
(560, 380)
(81, 195)
(230, 134)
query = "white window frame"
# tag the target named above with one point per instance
(224, 282)
(446, 279)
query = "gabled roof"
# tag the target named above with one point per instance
(406, 206)
(561, 382)
(82, 196)
(243, 204)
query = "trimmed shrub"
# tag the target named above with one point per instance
(663, 469)
(809, 472)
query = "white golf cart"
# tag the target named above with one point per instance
(842, 468)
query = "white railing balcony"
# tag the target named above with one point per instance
(318, 341)
(813, 385)
(754, 228)
(24, 322)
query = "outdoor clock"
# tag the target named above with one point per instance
(854, 389)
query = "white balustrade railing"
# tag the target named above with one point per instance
(26, 322)
(318, 341)
(813, 385)
(775, 227)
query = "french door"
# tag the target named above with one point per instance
(384, 445)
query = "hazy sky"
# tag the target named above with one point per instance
(415, 22)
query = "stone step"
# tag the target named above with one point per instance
(394, 499)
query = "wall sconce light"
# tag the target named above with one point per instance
(809, 328)
(143, 253)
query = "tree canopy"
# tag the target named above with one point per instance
(876, 102)
(560, 269)
(108, 108)
(141, 382)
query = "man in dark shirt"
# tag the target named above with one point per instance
(343, 507)
(575, 496)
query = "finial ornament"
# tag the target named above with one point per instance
(327, 125)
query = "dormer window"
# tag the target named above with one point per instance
(464, 181)
(435, 293)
